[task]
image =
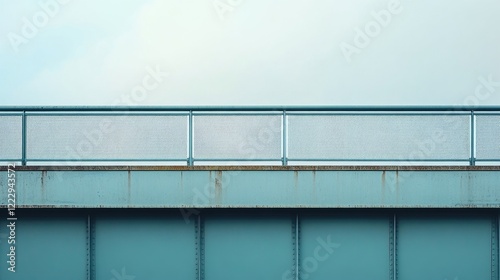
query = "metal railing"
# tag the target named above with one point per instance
(288, 135)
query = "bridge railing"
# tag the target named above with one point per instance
(250, 135)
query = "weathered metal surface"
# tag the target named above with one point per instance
(430, 245)
(252, 244)
(228, 252)
(45, 248)
(163, 246)
(264, 187)
(358, 248)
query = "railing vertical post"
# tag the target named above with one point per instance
(23, 140)
(284, 142)
(472, 139)
(190, 139)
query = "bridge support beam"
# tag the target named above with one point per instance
(255, 187)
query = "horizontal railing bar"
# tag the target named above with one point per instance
(257, 167)
(20, 114)
(79, 114)
(243, 113)
(111, 114)
(243, 159)
(251, 108)
(237, 159)
(382, 113)
(407, 160)
(105, 159)
(237, 114)
(487, 113)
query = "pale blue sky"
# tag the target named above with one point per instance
(244, 52)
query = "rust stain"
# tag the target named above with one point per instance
(182, 180)
(44, 194)
(397, 184)
(218, 186)
(314, 182)
(470, 193)
(295, 179)
(383, 179)
(128, 186)
(383, 186)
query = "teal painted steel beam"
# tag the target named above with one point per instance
(255, 187)
(255, 244)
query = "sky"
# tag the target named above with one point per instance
(241, 52)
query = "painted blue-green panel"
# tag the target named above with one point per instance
(347, 248)
(248, 248)
(145, 247)
(444, 248)
(154, 188)
(256, 188)
(46, 248)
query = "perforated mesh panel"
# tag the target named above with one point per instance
(10, 137)
(247, 137)
(237, 137)
(379, 137)
(107, 137)
(488, 137)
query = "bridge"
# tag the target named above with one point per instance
(250, 192)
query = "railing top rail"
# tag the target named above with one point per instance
(422, 108)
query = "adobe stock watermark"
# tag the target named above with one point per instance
(32, 26)
(93, 138)
(225, 7)
(122, 275)
(484, 90)
(248, 149)
(264, 137)
(372, 29)
(310, 264)
(138, 94)
(204, 195)
(424, 150)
